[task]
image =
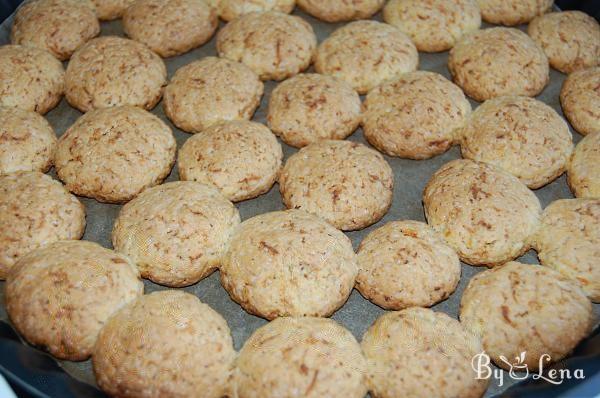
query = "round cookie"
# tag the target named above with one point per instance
(365, 54)
(113, 71)
(406, 264)
(229, 10)
(145, 349)
(274, 45)
(111, 9)
(30, 79)
(345, 183)
(170, 27)
(409, 353)
(415, 115)
(300, 357)
(584, 168)
(522, 135)
(570, 39)
(513, 12)
(176, 233)
(288, 263)
(580, 100)
(113, 154)
(211, 90)
(568, 241)
(310, 107)
(509, 307)
(515, 66)
(35, 210)
(486, 214)
(27, 141)
(433, 25)
(340, 10)
(58, 26)
(241, 158)
(60, 296)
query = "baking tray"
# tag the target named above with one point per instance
(357, 314)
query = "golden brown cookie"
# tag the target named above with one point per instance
(340, 10)
(513, 12)
(580, 100)
(111, 9)
(584, 168)
(231, 9)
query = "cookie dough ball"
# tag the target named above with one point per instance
(509, 307)
(365, 54)
(274, 45)
(568, 241)
(113, 71)
(512, 12)
(27, 141)
(35, 210)
(415, 115)
(405, 264)
(584, 168)
(170, 27)
(515, 66)
(165, 343)
(60, 296)
(421, 353)
(289, 263)
(30, 79)
(340, 10)
(211, 90)
(522, 135)
(113, 154)
(310, 107)
(57, 26)
(293, 357)
(433, 25)
(176, 233)
(231, 9)
(580, 100)
(345, 183)
(486, 214)
(111, 9)
(241, 158)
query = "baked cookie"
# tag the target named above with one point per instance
(406, 264)
(584, 168)
(231, 9)
(513, 12)
(60, 296)
(415, 115)
(113, 154)
(340, 10)
(176, 233)
(509, 308)
(145, 349)
(433, 25)
(580, 100)
(568, 240)
(310, 107)
(274, 45)
(498, 61)
(300, 357)
(288, 263)
(111, 9)
(211, 90)
(365, 54)
(522, 135)
(486, 214)
(27, 141)
(345, 183)
(30, 79)
(35, 210)
(170, 27)
(421, 353)
(113, 71)
(241, 158)
(58, 26)
(570, 39)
